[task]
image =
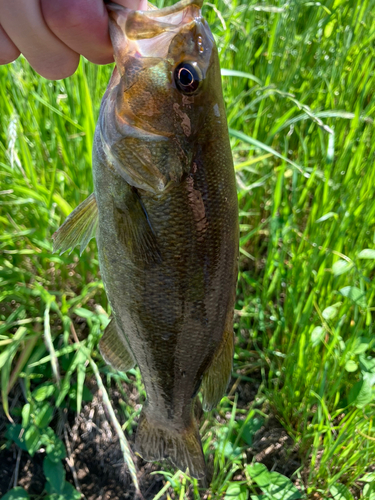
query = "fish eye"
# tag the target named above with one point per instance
(186, 78)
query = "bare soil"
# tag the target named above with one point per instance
(95, 462)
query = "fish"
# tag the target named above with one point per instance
(164, 213)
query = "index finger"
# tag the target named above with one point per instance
(23, 22)
(83, 25)
(9, 51)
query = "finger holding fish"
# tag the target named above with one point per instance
(8, 51)
(24, 24)
(53, 34)
(82, 25)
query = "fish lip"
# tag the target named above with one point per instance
(155, 12)
(172, 9)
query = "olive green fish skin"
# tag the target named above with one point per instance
(168, 220)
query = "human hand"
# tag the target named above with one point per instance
(52, 34)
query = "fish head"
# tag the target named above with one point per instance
(167, 76)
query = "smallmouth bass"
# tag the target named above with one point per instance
(165, 217)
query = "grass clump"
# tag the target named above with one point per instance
(298, 80)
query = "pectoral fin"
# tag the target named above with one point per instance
(216, 378)
(79, 227)
(134, 228)
(115, 349)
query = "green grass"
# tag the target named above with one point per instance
(301, 120)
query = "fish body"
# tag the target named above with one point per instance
(167, 236)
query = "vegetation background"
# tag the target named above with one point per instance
(299, 81)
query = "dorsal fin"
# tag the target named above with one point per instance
(79, 227)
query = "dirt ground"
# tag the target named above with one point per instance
(98, 469)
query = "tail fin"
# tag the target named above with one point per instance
(183, 449)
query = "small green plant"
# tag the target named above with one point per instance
(369, 486)
(274, 486)
(33, 434)
(16, 493)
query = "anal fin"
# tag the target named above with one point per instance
(79, 227)
(114, 348)
(216, 378)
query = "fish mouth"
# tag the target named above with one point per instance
(148, 33)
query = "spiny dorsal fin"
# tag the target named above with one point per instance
(115, 349)
(79, 227)
(216, 378)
